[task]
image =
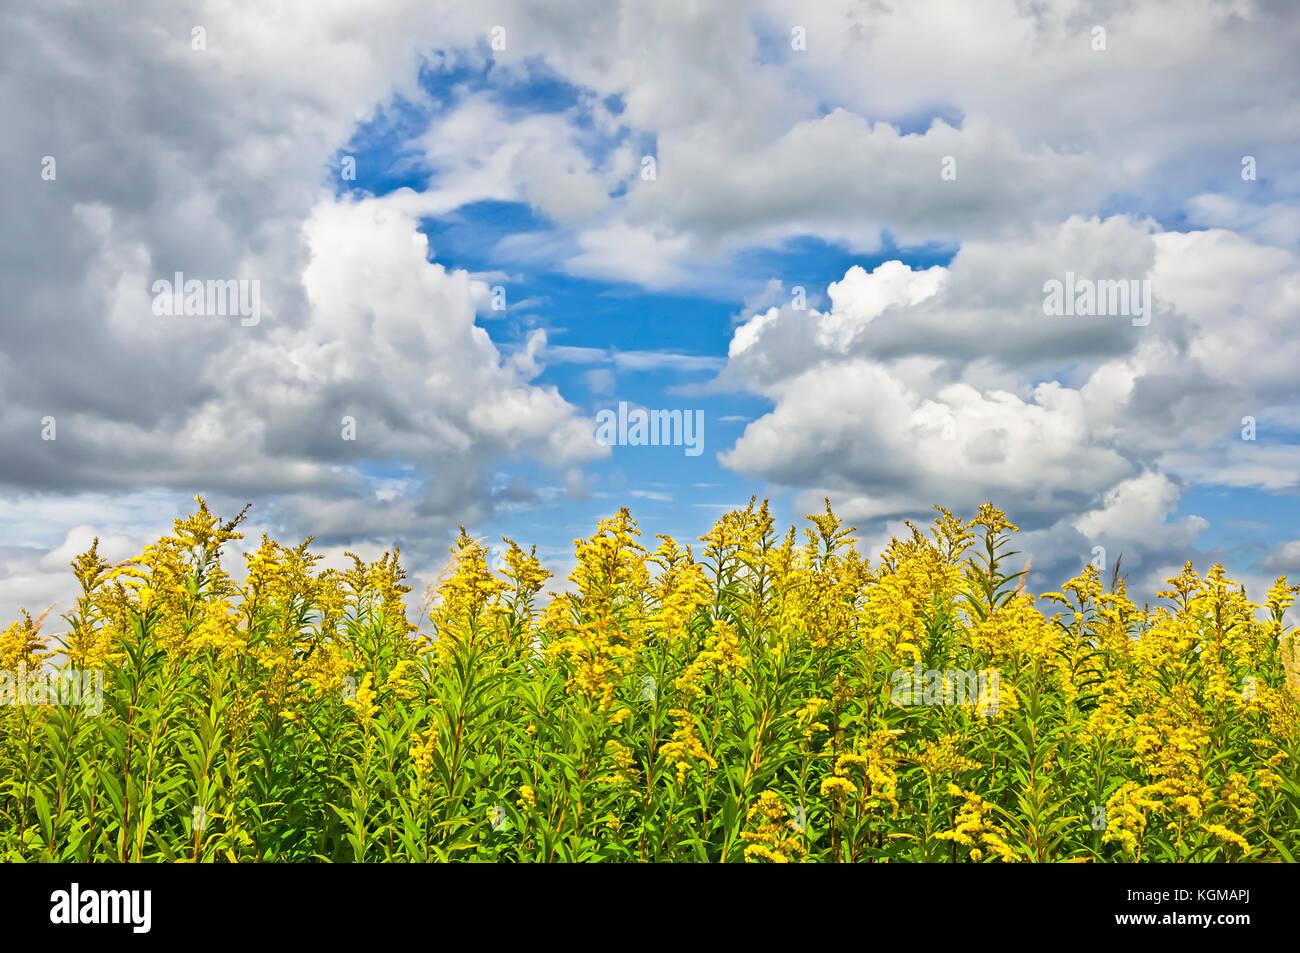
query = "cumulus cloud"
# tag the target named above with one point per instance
(952, 384)
(217, 164)
(1284, 558)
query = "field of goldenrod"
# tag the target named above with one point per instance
(765, 698)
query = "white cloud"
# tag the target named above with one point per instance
(950, 385)
(1284, 558)
(622, 252)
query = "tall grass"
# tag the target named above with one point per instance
(739, 704)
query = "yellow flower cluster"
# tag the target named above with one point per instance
(732, 702)
(364, 704)
(974, 830)
(773, 839)
(686, 748)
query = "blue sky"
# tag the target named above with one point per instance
(671, 492)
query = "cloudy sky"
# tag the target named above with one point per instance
(828, 226)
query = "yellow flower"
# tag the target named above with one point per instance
(941, 759)
(21, 647)
(403, 680)
(686, 747)
(422, 748)
(1228, 837)
(364, 704)
(973, 828)
(772, 839)
(838, 787)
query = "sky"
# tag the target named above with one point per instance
(827, 230)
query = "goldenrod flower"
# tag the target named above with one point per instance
(364, 704)
(771, 840)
